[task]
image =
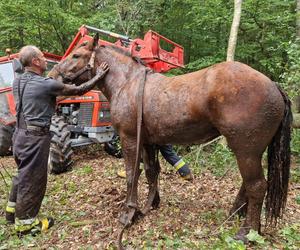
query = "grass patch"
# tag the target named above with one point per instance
(85, 170)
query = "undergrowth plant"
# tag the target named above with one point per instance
(295, 144)
(214, 156)
(217, 157)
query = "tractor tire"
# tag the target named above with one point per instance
(6, 133)
(60, 156)
(113, 147)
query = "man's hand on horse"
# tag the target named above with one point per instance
(102, 69)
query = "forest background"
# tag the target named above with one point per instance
(267, 38)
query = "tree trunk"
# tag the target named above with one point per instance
(234, 30)
(298, 19)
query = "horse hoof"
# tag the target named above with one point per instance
(130, 216)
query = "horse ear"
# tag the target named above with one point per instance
(96, 40)
(92, 44)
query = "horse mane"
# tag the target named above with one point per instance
(125, 53)
(118, 49)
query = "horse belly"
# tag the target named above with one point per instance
(180, 132)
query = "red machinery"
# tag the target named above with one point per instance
(149, 49)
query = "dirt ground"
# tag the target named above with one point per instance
(86, 201)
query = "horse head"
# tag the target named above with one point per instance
(79, 65)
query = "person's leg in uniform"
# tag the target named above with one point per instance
(11, 204)
(32, 151)
(171, 157)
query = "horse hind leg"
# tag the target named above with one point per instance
(255, 188)
(152, 169)
(240, 204)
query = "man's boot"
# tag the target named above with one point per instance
(183, 170)
(10, 212)
(33, 226)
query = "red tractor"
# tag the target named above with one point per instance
(84, 119)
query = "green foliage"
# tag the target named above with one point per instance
(298, 199)
(291, 236)
(203, 62)
(295, 175)
(295, 143)
(291, 76)
(234, 244)
(216, 157)
(47, 24)
(265, 39)
(225, 241)
(220, 159)
(253, 236)
(85, 170)
(264, 34)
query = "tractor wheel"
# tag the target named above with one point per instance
(113, 147)
(6, 133)
(60, 148)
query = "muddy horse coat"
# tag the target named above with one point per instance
(229, 99)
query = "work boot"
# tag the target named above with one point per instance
(35, 227)
(122, 172)
(10, 212)
(185, 172)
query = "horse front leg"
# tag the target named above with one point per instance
(131, 211)
(152, 169)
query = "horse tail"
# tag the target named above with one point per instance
(279, 165)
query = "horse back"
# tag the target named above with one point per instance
(199, 106)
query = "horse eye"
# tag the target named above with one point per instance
(75, 56)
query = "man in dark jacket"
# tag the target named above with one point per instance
(35, 98)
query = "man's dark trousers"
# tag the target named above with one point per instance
(31, 151)
(169, 154)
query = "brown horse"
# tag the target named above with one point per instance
(229, 99)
